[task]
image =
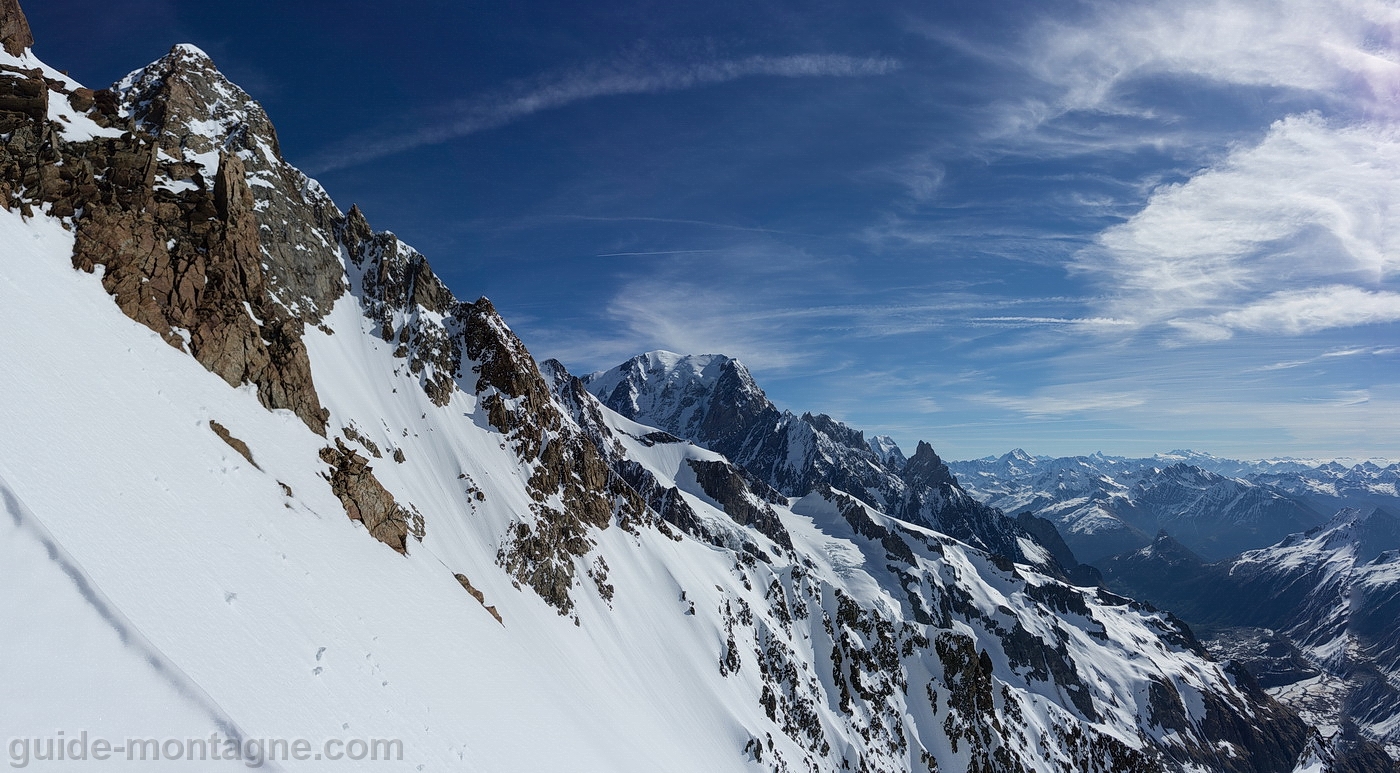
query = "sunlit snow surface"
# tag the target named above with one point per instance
(165, 587)
(106, 447)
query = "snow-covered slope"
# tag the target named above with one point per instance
(265, 477)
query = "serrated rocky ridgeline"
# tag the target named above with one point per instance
(714, 401)
(206, 235)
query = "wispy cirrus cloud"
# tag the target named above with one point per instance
(1063, 401)
(624, 75)
(1293, 235)
(1306, 311)
(1343, 49)
(1290, 234)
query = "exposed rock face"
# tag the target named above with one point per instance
(194, 113)
(367, 501)
(573, 486)
(452, 345)
(724, 484)
(410, 306)
(28, 155)
(934, 498)
(189, 268)
(179, 241)
(14, 28)
(926, 469)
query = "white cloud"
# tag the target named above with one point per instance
(626, 75)
(692, 320)
(1063, 401)
(921, 175)
(1306, 311)
(1269, 239)
(1093, 76)
(1345, 48)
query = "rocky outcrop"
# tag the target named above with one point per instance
(479, 596)
(574, 488)
(925, 468)
(367, 501)
(14, 28)
(188, 267)
(193, 113)
(933, 498)
(179, 244)
(24, 106)
(410, 307)
(233, 442)
(723, 483)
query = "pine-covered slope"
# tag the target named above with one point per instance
(264, 476)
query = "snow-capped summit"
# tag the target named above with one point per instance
(888, 451)
(1018, 455)
(714, 402)
(695, 396)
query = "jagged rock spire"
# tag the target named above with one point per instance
(925, 468)
(14, 28)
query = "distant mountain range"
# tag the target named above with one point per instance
(1104, 505)
(1316, 617)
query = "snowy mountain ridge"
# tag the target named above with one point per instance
(1314, 615)
(714, 401)
(265, 475)
(1105, 505)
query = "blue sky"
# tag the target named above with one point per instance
(1065, 226)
